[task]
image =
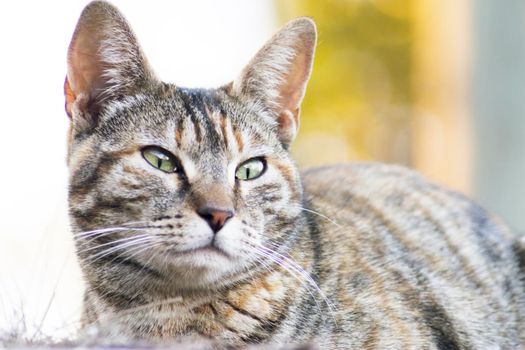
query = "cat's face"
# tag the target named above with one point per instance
(221, 155)
(173, 186)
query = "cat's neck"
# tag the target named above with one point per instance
(242, 311)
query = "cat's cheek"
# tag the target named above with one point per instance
(232, 238)
(196, 234)
(270, 188)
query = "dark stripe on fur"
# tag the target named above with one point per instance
(309, 309)
(242, 311)
(188, 106)
(441, 326)
(420, 299)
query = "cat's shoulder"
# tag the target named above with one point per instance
(385, 186)
(363, 175)
(400, 190)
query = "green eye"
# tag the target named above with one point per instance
(160, 159)
(251, 169)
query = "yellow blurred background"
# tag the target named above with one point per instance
(375, 91)
(399, 81)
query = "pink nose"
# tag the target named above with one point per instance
(216, 218)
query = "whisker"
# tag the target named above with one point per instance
(121, 227)
(290, 264)
(278, 247)
(137, 250)
(106, 231)
(291, 271)
(111, 250)
(300, 269)
(294, 264)
(112, 242)
(318, 214)
(303, 275)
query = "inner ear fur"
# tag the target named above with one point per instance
(104, 62)
(278, 74)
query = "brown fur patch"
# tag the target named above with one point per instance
(238, 139)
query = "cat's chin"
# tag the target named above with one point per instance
(206, 257)
(200, 268)
(207, 251)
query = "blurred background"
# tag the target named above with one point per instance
(436, 85)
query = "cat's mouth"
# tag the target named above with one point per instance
(208, 249)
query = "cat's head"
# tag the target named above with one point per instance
(175, 186)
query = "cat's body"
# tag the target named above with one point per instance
(192, 220)
(403, 263)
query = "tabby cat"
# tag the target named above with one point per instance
(191, 219)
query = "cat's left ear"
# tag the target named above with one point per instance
(277, 75)
(105, 63)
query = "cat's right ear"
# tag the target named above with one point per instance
(105, 62)
(277, 75)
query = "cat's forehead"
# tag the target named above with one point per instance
(194, 120)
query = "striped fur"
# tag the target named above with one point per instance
(362, 256)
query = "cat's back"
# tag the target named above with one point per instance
(414, 260)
